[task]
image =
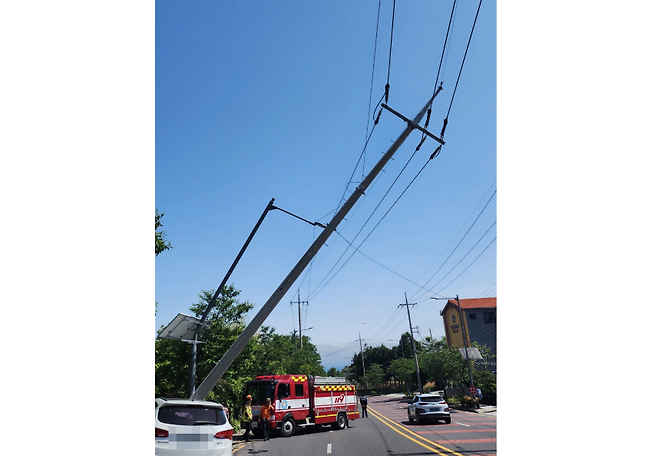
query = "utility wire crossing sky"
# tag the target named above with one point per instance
(297, 102)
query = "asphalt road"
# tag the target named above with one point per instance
(386, 432)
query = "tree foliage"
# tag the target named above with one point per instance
(160, 243)
(266, 353)
(439, 364)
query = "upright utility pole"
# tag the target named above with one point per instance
(222, 366)
(413, 342)
(363, 363)
(299, 313)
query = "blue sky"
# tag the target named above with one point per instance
(258, 100)
(84, 161)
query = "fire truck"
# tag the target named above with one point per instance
(303, 400)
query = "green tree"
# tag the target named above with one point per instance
(484, 378)
(374, 375)
(226, 323)
(266, 353)
(442, 365)
(281, 354)
(160, 243)
(381, 355)
(403, 369)
(333, 372)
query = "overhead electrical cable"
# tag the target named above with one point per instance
(438, 72)
(452, 99)
(462, 259)
(445, 45)
(390, 53)
(459, 243)
(319, 289)
(341, 349)
(454, 237)
(388, 322)
(487, 290)
(377, 336)
(476, 258)
(372, 81)
(364, 224)
(382, 265)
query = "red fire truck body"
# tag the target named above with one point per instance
(301, 400)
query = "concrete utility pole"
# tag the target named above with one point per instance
(299, 312)
(413, 342)
(363, 363)
(222, 366)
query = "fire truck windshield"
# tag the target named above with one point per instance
(260, 391)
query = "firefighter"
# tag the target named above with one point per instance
(266, 411)
(247, 418)
(364, 405)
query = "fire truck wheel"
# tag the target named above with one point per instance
(288, 427)
(341, 422)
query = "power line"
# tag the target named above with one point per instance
(452, 99)
(380, 264)
(455, 236)
(460, 241)
(390, 52)
(476, 258)
(462, 259)
(315, 293)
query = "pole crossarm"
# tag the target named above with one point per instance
(414, 124)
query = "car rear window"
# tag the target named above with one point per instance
(431, 399)
(190, 415)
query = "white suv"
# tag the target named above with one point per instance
(428, 406)
(184, 427)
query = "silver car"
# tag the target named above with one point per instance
(428, 407)
(184, 428)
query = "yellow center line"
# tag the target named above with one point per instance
(384, 420)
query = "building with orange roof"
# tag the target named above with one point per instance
(478, 318)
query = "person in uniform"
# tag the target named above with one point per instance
(266, 413)
(247, 418)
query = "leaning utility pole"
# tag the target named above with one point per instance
(222, 366)
(413, 342)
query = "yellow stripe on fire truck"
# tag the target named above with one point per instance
(298, 378)
(335, 388)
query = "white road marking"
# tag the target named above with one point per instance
(328, 448)
(462, 424)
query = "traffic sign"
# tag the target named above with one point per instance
(472, 389)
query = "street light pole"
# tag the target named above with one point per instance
(195, 339)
